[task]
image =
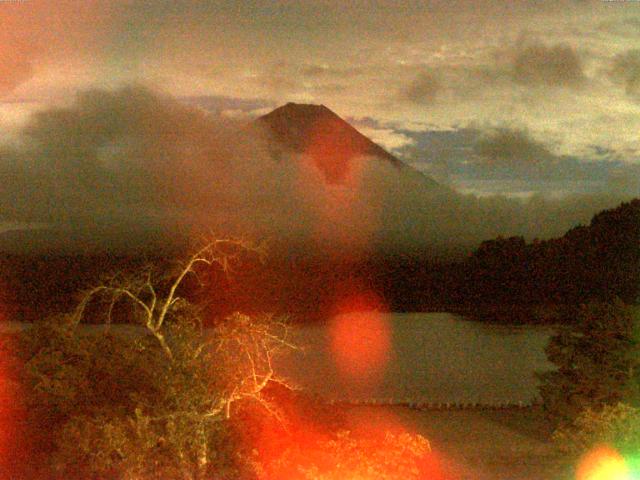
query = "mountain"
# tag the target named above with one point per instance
(331, 142)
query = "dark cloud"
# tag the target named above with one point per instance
(422, 90)
(538, 64)
(514, 151)
(509, 161)
(626, 69)
(129, 153)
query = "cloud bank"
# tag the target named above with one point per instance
(134, 162)
(565, 71)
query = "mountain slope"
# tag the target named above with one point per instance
(331, 142)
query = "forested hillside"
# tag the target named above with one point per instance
(595, 262)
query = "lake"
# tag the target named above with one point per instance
(422, 358)
(416, 358)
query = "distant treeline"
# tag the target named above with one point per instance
(600, 261)
(596, 262)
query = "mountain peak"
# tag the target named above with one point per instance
(318, 132)
(292, 121)
(304, 106)
(303, 110)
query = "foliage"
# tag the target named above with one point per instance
(597, 262)
(387, 457)
(615, 425)
(162, 398)
(153, 400)
(598, 362)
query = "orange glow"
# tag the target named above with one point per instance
(332, 151)
(330, 180)
(373, 422)
(5, 414)
(11, 443)
(366, 446)
(281, 444)
(603, 463)
(36, 34)
(310, 441)
(360, 339)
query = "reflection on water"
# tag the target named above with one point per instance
(434, 358)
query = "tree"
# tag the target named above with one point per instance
(613, 425)
(151, 400)
(598, 362)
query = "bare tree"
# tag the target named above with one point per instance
(178, 396)
(141, 288)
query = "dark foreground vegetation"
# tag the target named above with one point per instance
(593, 398)
(169, 400)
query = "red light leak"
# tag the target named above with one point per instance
(307, 444)
(6, 400)
(603, 463)
(12, 447)
(360, 339)
(374, 422)
(332, 151)
(330, 179)
(306, 441)
(360, 346)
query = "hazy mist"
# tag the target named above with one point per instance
(135, 160)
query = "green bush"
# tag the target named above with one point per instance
(614, 425)
(597, 359)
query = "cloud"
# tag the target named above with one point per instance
(510, 161)
(458, 58)
(557, 65)
(314, 71)
(38, 34)
(114, 155)
(137, 162)
(279, 82)
(422, 90)
(625, 178)
(219, 103)
(388, 138)
(513, 151)
(626, 69)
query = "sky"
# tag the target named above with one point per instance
(524, 99)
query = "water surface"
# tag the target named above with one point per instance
(433, 358)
